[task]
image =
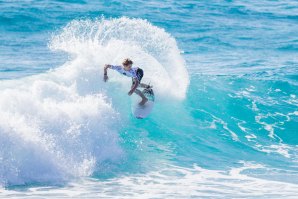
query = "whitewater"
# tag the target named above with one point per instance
(225, 121)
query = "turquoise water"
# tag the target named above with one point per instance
(225, 121)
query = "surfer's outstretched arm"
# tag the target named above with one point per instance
(105, 72)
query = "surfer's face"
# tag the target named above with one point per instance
(127, 67)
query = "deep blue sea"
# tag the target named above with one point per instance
(225, 120)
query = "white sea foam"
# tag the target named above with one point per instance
(174, 182)
(281, 149)
(49, 132)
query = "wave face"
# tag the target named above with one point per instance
(224, 124)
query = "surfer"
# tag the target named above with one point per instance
(134, 72)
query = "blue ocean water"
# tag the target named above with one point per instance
(225, 121)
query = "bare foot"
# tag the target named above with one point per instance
(143, 102)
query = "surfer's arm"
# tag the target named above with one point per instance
(113, 67)
(134, 86)
(105, 69)
(105, 72)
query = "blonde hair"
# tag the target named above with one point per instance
(127, 61)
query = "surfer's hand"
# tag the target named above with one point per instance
(105, 77)
(130, 92)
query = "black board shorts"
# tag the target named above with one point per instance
(139, 74)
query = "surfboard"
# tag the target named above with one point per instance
(142, 112)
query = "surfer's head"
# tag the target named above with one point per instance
(127, 63)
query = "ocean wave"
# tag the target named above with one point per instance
(64, 123)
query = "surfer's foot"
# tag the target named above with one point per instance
(143, 102)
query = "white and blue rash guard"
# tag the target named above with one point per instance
(135, 73)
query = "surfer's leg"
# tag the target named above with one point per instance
(145, 85)
(144, 99)
(140, 74)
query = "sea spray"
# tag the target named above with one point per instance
(101, 41)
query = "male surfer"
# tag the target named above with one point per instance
(134, 72)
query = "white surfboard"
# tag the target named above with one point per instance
(141, 112)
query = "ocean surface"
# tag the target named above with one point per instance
(225, 121)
